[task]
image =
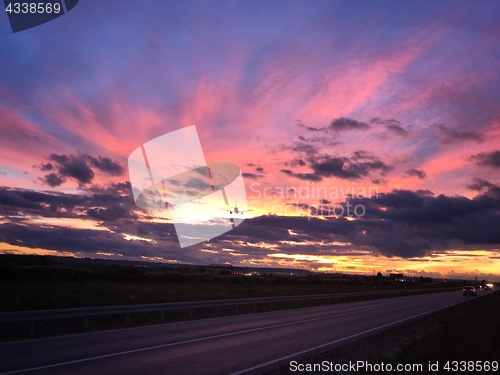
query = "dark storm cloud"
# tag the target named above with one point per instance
(488, 159)
(274, 229)
(258, 229)
(53, 180)
(74, 166)
(69, 239)
(259, 172)
(303, 148)
(115, 212)
(345, 123)
(452, 136)
(480, 184)
(252, 176)
(313, 129)
(15, 200)
(105, 165)
(302, 176)
(424, 193)
(90, 241)
(307, 176)
(397, 129)
(46, 167)
(118, 189)
(479, 228)
(358, 166)
(392, 125)
(334, 166)
(111, 213)
(361, 154)
(307, 150)
(78, 167)
(298, 162)
(487, 188)
(158, 231)
(309, 128)
(400, 223)
(438, 220)
(104, 204)
(416, 172)
(391, 239)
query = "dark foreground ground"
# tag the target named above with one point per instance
(217, 346)
(469, 332)
(41, 282)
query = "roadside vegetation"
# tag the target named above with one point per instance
(467, 332)
(37, 282)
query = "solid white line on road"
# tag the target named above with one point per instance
(294, 355)
(189, 341)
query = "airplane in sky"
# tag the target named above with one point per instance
(236, 210)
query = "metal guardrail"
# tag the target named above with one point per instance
(86, 312)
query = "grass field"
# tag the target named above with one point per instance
(38, 282)
(42, 294)
(35, 283)
(468, 332)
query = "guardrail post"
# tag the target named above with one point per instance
(127, 319)
(162, 315)
(191, 313)
(86, 323)
(32, 328)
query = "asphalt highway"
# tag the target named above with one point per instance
(222, 345)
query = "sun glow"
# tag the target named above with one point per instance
(131, 237)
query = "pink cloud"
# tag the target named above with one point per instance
(22, 142)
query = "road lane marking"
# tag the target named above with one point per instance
(189, 341)
(331, 343)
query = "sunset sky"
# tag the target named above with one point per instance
(390, 106)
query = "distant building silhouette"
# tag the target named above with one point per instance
(397, 277)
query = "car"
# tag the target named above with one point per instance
(469, 291)
(488, 287)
